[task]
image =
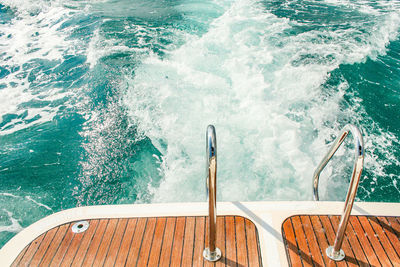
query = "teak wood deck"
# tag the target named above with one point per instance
(369, 240)
(155, 241)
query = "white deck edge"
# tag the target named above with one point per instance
(267, 216)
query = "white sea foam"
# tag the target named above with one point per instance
(272, 117)
(37, 203)
(33, 34)
(14, 227)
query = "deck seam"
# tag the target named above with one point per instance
(245, 238)
(369, 239)
(390, 248)
(345, 238)
(44, 234)
(22, 256)
(387, 236)
(194, 238)
(141, 241)
(183, 242)
(69, 244)
(122, 238)
(130, 243)
(351, 227)
(102, 236)
(234, 227)
(325, 233)
(152, 239)
(90, 242)
(111, 240)
(162, 242)
(65, 233)
(316, 239)
(48, 246)
(172, 244)
(297, 243)
(379, 239)
(77, 249)
(307, 242)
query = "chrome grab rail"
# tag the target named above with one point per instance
(335, 252)
(211, 253)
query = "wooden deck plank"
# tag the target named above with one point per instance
(315, 251)
(395, 224)
(209, 263)
(126, 242)
(155, 251)
(291, 243)
(116, 242)
(252, 244)
(220, 241)
(176, 255)
(199, 241)
(144, 242)
(230, 239)
(187, 256)
(61, 232)
(85, 242)
(242, 257)
(165, 257)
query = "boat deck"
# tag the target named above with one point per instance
(369, 240)
(154, 241)
(174, 234)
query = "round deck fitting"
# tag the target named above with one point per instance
(212, 256)
(336, 256)
(80, 227)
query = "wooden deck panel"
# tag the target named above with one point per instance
(369, 240)
(156, 241)
(165, 256)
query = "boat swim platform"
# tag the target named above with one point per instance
(292, 233)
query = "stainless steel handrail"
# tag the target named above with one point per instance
(211, 253)
(335, 252)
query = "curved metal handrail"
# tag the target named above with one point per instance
(334, 252)
(211, 253)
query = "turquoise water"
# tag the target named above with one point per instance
(107, 102)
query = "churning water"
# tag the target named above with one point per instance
(107, 101)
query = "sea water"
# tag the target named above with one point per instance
(107, 101)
